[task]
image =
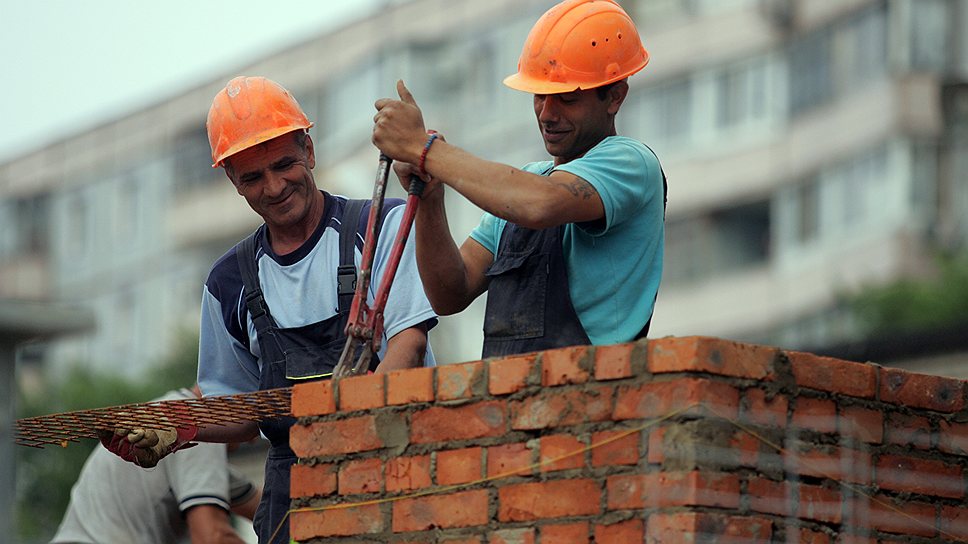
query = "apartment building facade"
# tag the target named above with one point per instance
(812, 147)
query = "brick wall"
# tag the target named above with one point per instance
(675, 440)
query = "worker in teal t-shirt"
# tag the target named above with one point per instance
(569, 250)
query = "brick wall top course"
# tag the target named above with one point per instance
(673, 438)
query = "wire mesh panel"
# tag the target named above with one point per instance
(61, 429)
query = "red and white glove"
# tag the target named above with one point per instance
(145, 447)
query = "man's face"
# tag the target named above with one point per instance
(574, 122)
(276, 180)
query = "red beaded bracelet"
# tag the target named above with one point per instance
(432, 135)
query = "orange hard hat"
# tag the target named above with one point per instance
(249, 111)
(579, 44)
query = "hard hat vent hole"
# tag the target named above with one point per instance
(620, 35)
(594, 43)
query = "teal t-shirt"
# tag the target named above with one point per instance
(614, 272)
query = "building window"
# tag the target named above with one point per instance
(346, 112)
(860, 48)
(929, 34)
(741, 93)
(31, 224)
(78, 228)
(662, 113)
(808, 211)
(810, 77)
(193, 159)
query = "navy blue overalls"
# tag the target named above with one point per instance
(295, 355)
(529, 305)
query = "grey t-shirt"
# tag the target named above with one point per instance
(115, 501)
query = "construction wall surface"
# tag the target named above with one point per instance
(673, 440)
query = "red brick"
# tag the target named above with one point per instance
(509, 459)
(693, 396)
(460, 381)
(464, 509)
(550, 499)
(953, 438)
(954, 522)
(705, 527)
(459, 466)
(713, 355)
(407, 473)
(915, 475)
(361, 392)
(761, 410)
(335, 437)
(509, 375)
(567, 449)
(441, 424)
(561, 407)
(312, 480)
(934, 393)
(909, 431)
(819, 504)
(353, 521)
(313, 399)
(512, 536)
(747, 448)
(658, 489)
(410, 385)
(806, 536)
(770, 497)
(623, 532)
(361, 476)
(455, 540)
(815, 414)
(833, 375)
(656, 454)
(613, 362)
(891, 516)
(831, 462)
(862, 424)
(563, 366)
(613, 448)
(566, 533)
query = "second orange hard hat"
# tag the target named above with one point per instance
(249, 111)
(579, 44)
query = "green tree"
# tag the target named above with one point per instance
(916, 304)
(45, 476)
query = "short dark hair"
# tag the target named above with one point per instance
(603, 90)
(300, 136)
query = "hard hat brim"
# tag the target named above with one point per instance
(536, 86)
(257, 139)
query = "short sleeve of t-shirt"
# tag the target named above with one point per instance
(616, 168)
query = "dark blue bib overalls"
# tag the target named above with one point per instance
(294, 355)
(529, 305)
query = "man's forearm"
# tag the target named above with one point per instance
(406, 349)
(231, 432)
(439, 260)
(526, 199)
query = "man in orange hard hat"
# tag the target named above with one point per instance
(275, 306)
(569, 250)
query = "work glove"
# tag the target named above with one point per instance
(145, 447)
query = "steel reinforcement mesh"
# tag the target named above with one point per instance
(61, 429)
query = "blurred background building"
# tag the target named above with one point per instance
(812, 147)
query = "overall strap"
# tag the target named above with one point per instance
(249, 266)
(346, 273)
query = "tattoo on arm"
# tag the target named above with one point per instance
(578, 187)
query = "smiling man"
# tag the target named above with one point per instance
(569, 250)
(275, 306)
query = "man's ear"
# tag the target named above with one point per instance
(230, 173)
(310, 152)
(616, 96)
